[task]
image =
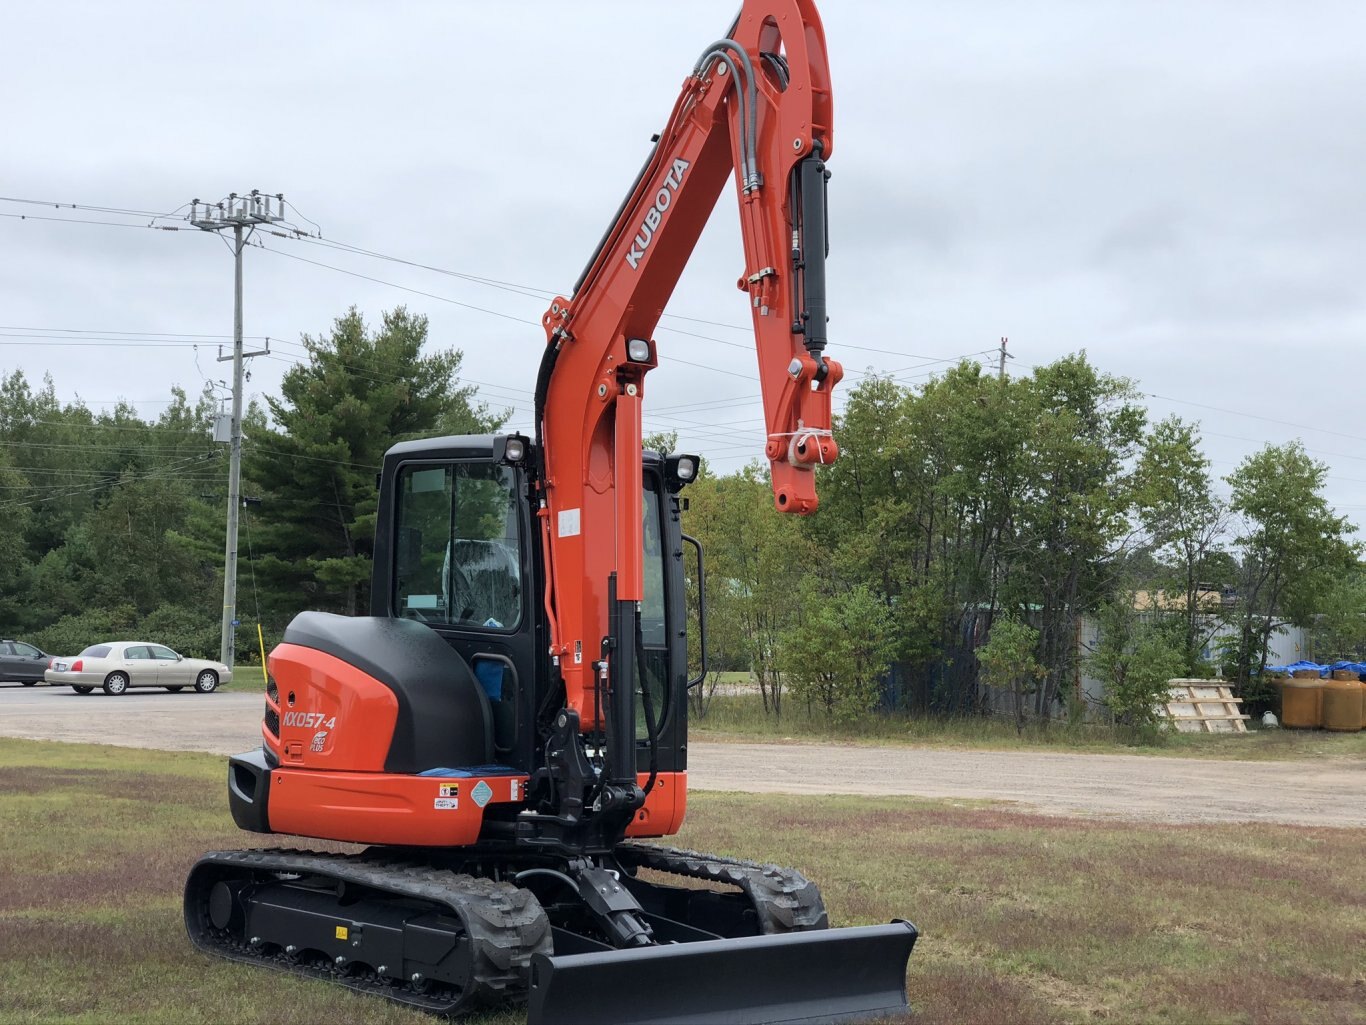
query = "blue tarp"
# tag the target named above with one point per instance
(1351, 667)
(1294, 667)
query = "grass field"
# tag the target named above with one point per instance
(741, 717)
(1024, 918)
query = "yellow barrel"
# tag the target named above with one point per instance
(1302, 701)
(1342, 704)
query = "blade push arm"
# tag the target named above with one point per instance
(757, 109)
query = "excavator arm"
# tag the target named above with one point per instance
(756, 108)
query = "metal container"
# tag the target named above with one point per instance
(1302, 701)
(1342, 703)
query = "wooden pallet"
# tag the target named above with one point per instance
(1204, 706)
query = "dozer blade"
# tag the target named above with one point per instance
(825, 975)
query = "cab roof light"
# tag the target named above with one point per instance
(681, 470)
(514, 449)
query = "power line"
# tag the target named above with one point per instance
(142, 425)
(117, 482)
(391, 284)
(1255, 416)
(83, 220)
(111, 331)
(86, 448)
(101, 344)
(533, 291)
(93, 209)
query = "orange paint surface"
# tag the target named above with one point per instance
(384, 808)
(332, 715)
(665, 805)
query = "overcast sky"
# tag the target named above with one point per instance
(1175, 187)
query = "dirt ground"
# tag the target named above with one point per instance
(1318, 793)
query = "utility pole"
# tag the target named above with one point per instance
(241, 214)
(1004, 356)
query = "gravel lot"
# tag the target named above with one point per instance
(1317, 793)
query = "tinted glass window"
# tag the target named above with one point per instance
(26, 649)
(458, 546)
(97, 651)
(6, 648)
(163, 653)
(653, 631)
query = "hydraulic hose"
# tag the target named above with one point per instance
(749, 121)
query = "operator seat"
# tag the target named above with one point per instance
(444, 718)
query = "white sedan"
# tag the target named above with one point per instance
(117, 665)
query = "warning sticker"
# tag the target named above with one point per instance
(516, 783)
(482, 793)
(569, 523)
(343, 932)
(450, 790)
(446, 803)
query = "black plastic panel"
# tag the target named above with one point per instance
(444, 720)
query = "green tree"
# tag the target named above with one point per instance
(916, 508)
(15, 517)
(1135, 658)
(660, 441)
(359, 392)
(1187, 524)
(1294, 547)
(756, 559)
(705, 519)
(1007, 661)
(838, 648)
(1071, 523)
(1339, 631)
(102, 499)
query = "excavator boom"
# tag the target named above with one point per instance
(756, 109)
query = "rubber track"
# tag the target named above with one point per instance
(784, 899)
(506, 924)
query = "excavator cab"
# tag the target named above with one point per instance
(453, 652)
(463, 558)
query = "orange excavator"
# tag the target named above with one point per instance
(510, 723)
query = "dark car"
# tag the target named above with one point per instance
(22, 662)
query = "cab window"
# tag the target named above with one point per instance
(654, 633)
(458, 546)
